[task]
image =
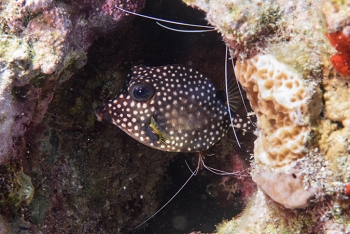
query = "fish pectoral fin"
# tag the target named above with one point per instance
(162, 136)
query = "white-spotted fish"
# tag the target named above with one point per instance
(171, 108)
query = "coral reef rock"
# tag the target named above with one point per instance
(289, 192)
(67, 172)
(43, 42)
(280, 99)
(293, 60)
(335, 139)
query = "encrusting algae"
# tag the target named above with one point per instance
(295, 70)
(291, 57)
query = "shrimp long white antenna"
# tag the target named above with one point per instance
(193, 173)
(185, 31)
(227, 98)
(214, 170)
(165, 21)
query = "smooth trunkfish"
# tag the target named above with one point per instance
(170, 108)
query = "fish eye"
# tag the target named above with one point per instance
(141, 92)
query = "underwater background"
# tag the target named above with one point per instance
(62, 171)
(84, 176)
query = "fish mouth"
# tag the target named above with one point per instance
(99, 113)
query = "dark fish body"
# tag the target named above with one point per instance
(171, 108)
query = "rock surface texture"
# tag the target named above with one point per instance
(42, 43)
(293, 60)
(64, 171)
(61, 170)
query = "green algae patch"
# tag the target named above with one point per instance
(12, 45)
(17, 192)
(23, 191)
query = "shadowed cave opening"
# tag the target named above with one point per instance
(88, 176)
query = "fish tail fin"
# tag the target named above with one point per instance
(241, 114)
(232, 92)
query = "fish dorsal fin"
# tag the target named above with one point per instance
(233, 94)
(244, 117)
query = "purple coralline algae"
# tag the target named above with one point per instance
(43, 42)
(61, 170)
